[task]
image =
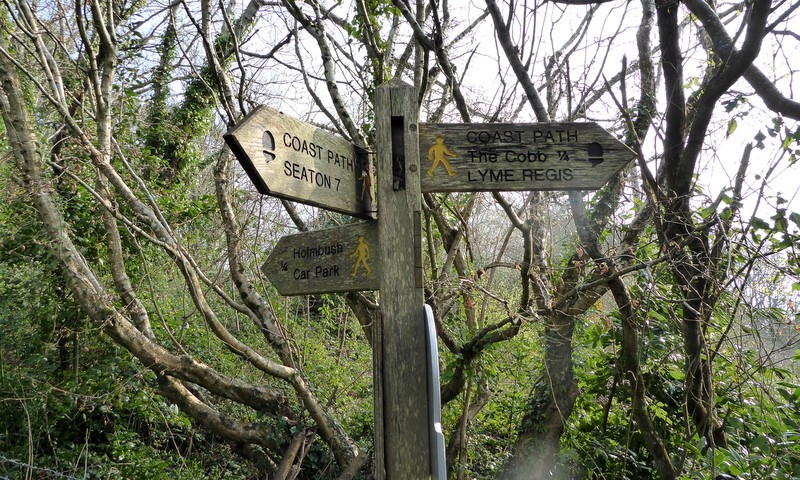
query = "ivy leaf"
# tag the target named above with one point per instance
(795, 217)
(732, 124)
(759, 223)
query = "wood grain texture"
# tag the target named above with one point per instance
(334, 260)
(522, 157)
(405, 419)
(290, 159)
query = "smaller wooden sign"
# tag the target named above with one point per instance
(516, 156)
(334, 260)
(290, 159)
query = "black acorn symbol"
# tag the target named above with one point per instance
(595, 151)
(268, 142)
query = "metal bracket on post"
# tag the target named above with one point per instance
(438, 460)
(365, 176)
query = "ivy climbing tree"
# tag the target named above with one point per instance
(645, 330)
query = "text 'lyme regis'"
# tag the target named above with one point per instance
(497, 157)
(525, 175)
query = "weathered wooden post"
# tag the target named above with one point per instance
(402, 426)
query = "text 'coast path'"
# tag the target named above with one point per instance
(290, 159)
(518, 156)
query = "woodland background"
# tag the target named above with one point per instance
(647, 330)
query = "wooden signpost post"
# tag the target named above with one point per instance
(297, 161)
(402, 418)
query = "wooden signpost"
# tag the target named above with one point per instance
(402, 413)
(517, 156)
(340, 259)
(290, 159)
(294, 160)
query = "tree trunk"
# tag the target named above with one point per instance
(536, 450)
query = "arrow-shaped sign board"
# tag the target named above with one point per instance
(517, 156)
(290, 159)
(339, 259)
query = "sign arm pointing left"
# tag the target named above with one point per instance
(294, 160)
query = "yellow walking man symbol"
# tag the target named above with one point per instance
(437, 154)
(361, 252)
